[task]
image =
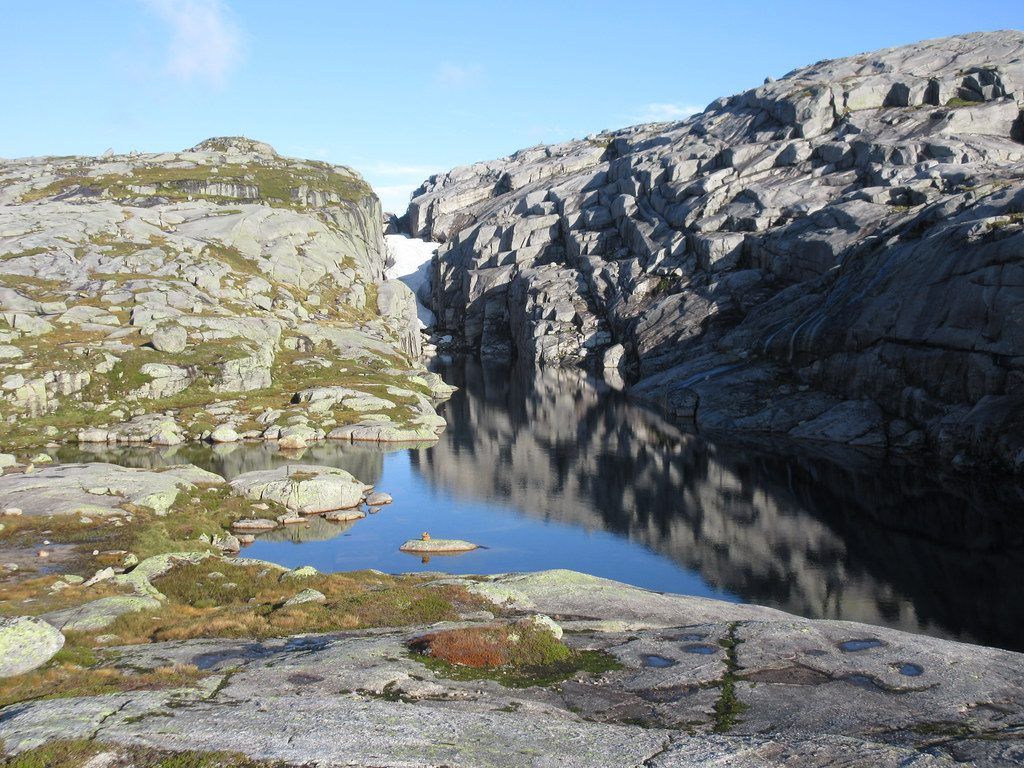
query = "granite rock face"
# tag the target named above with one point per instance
(836, 255)
(138, 288)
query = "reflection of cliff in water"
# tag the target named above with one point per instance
(835, 534)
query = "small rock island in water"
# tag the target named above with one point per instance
(831, 262)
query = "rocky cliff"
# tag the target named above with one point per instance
(219, 292)
(836, 255)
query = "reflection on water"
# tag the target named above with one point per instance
(550, 469)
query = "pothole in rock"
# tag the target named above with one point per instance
(909, 669)
(701, 649)
(654, 660)
(852, 646)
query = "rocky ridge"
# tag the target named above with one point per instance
(223, 292)
(835, 255)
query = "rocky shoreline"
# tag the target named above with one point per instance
(832, 256)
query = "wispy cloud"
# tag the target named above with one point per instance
(204, 44)
(453, 75)
(661, 112)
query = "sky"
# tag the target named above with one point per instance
(400, 90)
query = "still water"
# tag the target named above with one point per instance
(556, 470)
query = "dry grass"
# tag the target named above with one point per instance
(215, 598)
(32, 597)
(74, 754)
(62, 679)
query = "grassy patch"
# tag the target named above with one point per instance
(216, 598)
(33, 596)
(728, 707)
(74, 672)
(515, 655)
(1011, 220)
(74, 754)
(276, 183)
(956, 102)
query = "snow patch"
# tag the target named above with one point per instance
(409, 261)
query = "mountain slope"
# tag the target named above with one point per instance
(153, 298)
(836, 255)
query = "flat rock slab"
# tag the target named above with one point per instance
(98, 489)
(99, 613)
(438, 546)
(582, 596)
(306, 488)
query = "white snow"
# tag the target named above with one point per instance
(409, 261)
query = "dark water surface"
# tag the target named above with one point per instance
(555, 470)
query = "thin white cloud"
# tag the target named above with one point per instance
(204, 44)
(662, 112)
(452, 75)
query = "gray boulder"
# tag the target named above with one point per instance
(26, 644)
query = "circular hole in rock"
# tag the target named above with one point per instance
(909, 669)
(700, 648)
(851, 646)
(654, 660)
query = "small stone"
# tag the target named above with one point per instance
(12, 511)
(344, 515)
(224, 434)
(254, 524)
(378, 499)
(306, 596)
(101, 575)
(434, 546)
(171, 339)
(291, 443)
(302, 572)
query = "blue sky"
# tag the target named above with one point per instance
(402, 89)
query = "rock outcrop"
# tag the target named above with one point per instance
(141, 295)
(836, 255)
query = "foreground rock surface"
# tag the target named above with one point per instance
(834, 255)
(711, 683)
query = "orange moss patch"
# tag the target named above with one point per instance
(522, 644)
